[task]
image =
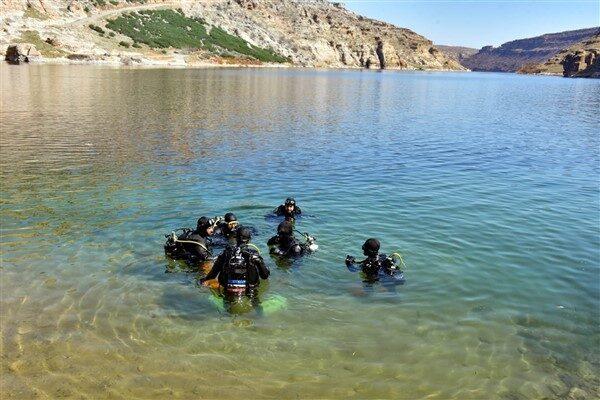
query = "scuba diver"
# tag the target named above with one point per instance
(239, 268)
(285, 243)
(228, 226)
(191, 245)
(376, 266)
(289, 210)
(226, 230)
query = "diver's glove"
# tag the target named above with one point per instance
(350, 260)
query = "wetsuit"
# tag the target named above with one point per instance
(225, 236)
(376, 267)
(201, 250)
(282, 211)
(189, 245)
(239, 270)
(224, 230)
(286, 245)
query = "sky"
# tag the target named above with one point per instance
(475, 23)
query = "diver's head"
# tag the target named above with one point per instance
(231, 221)
(285, 229)
(205, 226)
(243, 235)
(371, 247)
(290, 204)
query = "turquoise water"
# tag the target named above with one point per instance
(488, 184)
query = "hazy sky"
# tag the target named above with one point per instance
(478, 23)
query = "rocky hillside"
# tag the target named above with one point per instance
(582, 60)
(511, 56)
(458, 53)
(313, 33)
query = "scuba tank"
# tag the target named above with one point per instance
(236, 271)
(173, 248)
(311, 242)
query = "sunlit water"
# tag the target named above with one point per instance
(487, 184)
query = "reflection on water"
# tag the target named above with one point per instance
(487, 184)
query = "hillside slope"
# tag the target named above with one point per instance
(511, 56)
(458, 53)
(582, 60)
(313, 33)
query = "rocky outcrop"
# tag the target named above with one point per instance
(22, 53)
(581, 60)
(512, 56)
(582, 64)
(312, 33)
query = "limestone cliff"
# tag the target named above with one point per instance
(314, 33)
(581, 60)
(511, 56)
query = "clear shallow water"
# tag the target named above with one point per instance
(487, 183)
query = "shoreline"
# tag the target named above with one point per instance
(136, 60)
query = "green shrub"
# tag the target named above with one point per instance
(111, 34)
(114, 2)
(149, 27)
(86, 9)
(124, 44)
(97, 29)
(136, 45)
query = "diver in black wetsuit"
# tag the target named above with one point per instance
(376, 266)
(285, 243)
(193, 246)
(226, 231)
(239, 268)
(289, 210)
(228, 226)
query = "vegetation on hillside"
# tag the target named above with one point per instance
(171, 28)
(45, 49)
(31, 12)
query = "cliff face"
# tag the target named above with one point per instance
(582, 60)
(323, 34)
(511, 56)
(307, 33)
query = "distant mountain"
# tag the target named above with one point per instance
(457, 53)
(511, 56)
(580, 60)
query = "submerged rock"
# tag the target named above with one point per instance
(22, 53)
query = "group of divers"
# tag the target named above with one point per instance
(239, 268)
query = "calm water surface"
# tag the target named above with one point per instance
(487, 184)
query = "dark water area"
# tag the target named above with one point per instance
(488, 184)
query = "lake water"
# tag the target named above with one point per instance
(488, 184)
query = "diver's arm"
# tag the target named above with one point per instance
(199, 247)
(203, 252)
(297, 210)
(272, 241)
(352, 265)
(263, 271)
(279, 211)
(216, 269)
